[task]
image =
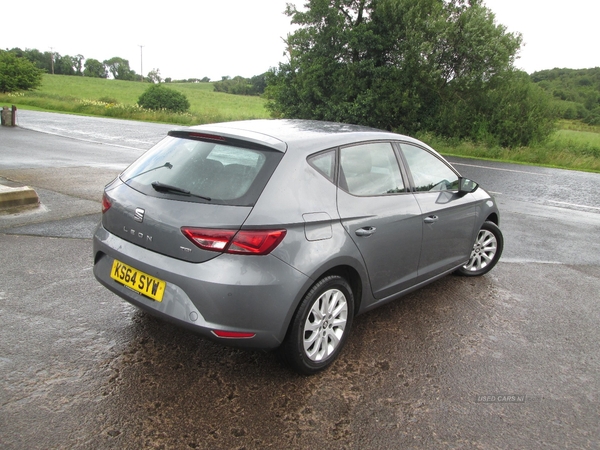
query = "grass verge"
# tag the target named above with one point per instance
(565, 149)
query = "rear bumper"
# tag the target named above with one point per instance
(256, 294)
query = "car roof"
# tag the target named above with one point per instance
(297, 134)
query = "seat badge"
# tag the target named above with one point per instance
(139, 215)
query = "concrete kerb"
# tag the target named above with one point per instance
(14, 197)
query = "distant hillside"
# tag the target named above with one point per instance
(576, 92)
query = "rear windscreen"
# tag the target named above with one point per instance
(192, 170)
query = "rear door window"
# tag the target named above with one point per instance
(370, 169)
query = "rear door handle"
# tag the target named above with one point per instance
(366, 231)
(431, 219)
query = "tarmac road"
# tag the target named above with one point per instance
(103, 130)
(508, 360)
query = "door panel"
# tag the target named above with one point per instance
(381, 217)
(448, 217)
(448, 221)
(387, 231)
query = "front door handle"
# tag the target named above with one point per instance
(431, 219)
(366, 231)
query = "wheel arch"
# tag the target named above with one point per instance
(493, 217)
(293, 350)
(351, 275)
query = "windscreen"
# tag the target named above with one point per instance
(199, 171)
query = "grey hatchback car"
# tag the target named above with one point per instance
(275, 234)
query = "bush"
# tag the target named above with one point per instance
(158, 97)
(18, 74)
(593, 117)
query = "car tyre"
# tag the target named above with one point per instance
(486, 251)
(320, 326)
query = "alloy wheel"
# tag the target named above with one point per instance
(325, 325)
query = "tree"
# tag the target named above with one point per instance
(157, 97)
(119, 68)
(41, 60)
(242, 86)
(154, 76)
(78, 64)
(511, 111)
(64, 65)
(236, 85)
(94, 69)
(259, 83)
(576, 92)
(17, 73)
(400, 65)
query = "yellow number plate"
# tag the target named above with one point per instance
(138, 281)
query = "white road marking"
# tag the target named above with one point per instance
(575, 205)
(528, 261)
(503, 170)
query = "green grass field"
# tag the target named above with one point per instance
(117, 98)
(573, 146)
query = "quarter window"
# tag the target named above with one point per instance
(429, 173)
(324, 163)
(370, 169)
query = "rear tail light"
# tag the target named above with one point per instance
(106, 204)
(244, 242)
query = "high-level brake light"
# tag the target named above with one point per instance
(212, 137)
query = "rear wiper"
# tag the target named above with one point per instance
(160, 187)
(168, 165)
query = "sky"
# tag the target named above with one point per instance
(561, 34)
(211, 38)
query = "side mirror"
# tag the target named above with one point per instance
(467, 186)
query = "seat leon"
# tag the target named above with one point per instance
(275, 234)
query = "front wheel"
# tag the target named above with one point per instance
(320, 326)
(486, 251)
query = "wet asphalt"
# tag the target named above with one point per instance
(508, 360)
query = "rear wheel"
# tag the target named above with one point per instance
(320, 326)
(486, 251)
